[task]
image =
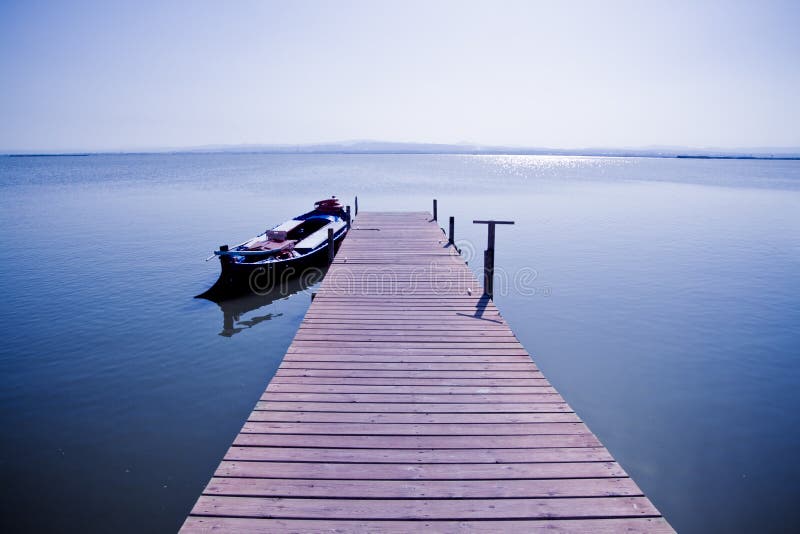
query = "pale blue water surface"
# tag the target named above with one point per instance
(662, 300)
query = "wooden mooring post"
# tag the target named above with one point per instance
(451, 239)
(435, 214)
(488, 257)
(356, 206)
(330, 246)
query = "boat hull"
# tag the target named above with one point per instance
(237, 279)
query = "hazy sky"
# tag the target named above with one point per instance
(127, 75)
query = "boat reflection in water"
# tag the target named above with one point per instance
(234, 308)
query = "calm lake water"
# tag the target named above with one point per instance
(665, 308)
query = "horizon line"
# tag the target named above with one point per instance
(422, 148)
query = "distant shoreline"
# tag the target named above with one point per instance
(779, 158)
(409, 152)
(360, 147)
(57, 155)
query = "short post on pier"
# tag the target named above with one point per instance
(330, 245)
(488, 257)
(347, 210)
(451, 239)
(356, 207)
(435, 215)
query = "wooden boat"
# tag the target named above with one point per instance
(288, 250)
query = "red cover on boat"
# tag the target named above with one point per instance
(329, 205)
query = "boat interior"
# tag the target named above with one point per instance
(292, 238)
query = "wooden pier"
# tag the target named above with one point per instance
(405, 403)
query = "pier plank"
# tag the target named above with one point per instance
(354, 471)
(420, 489)
(200, 524)
(427, 456)
(611, 507)
(418, 419)
(414, 429)
(411, 407)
